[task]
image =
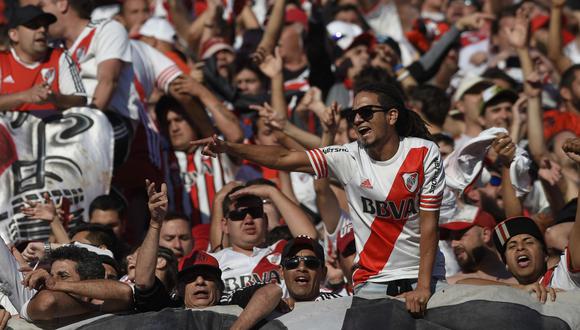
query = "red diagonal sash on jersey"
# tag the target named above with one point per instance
(83, 47)
(384, 232)
(193, 193)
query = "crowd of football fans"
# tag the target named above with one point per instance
(181, 229)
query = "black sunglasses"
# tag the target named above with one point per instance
(310, 262)
(254, 212)
(366, 112)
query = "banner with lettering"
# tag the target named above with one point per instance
(69, 155)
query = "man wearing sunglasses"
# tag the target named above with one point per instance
(247, 261)
(34, 77)
(394, 182)
(304, 269)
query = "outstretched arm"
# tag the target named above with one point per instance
(116, 296)
(275, 157)
(262, 303)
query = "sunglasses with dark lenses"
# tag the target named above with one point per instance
(366, 112)
(310, 262)
(254, 212)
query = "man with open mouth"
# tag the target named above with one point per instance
(393, 177)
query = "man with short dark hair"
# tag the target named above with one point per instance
(108, 210)
(34, 77)
(303, 269)
(97, 235)
(74, 273)
(432, 104)
(176, 235)
(523, 249)
(471, 235)
(387, 173)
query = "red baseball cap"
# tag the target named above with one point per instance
(202, 262)
(466, 219)
(214, 45)
(295, 15)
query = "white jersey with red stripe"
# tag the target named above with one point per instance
(562, 276)
(240, 270)
(384, 199)
(98, 42)
(202, 178)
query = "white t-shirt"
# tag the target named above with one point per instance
(98, 42)
(384, 199)
(563, 276)
(240, 270)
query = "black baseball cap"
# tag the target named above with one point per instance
(304, 241)
(28, 14)
(514, 226)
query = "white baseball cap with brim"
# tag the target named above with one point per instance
(469, 82)
(346, 35)
(158, 28)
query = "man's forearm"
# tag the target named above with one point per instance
(103, 93)
(9, 102)
(49, 305)
(195, 113)
(275, 157)
(147, 258)
(96, 289)
(225, 121)
(59, 232)
(427, 249)
(263, 302)
(298, 222)
(70, 101)
(306, 139)
(274, 27)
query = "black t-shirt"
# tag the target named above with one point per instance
(155, 298)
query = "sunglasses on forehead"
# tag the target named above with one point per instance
(366, 112)
(310, 262)
(254, 212)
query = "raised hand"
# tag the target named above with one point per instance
(33, 251)
(505, 149)
(158, 202)
(518, 34)
(260, 190)
(259, 56)
(272, 65)
(550, 171)
(44, 211)
(330, 119)
(473, 21)
(272, 118)
(38, 94)
(572, 149)
(211, 145)
(38, 279)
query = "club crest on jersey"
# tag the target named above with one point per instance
(80, 54)
(48, 75)
(411, 181)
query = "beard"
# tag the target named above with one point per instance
(474, 257)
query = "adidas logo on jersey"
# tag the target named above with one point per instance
(366, 184)
(8, 80)
(388, 209)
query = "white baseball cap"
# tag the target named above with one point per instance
(468, 82)
(158, 28)
(343, 33)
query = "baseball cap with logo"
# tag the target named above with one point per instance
(512, 227)
(348, 35)
(467, 217)
(302, 241)
(200, 262)
(495, 94)
(158, 28)
(214, 45)
(29, 15)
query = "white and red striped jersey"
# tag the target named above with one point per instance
(201, 177)
(240, 270)
(98, 42)
(152, 69)
(384, 199)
